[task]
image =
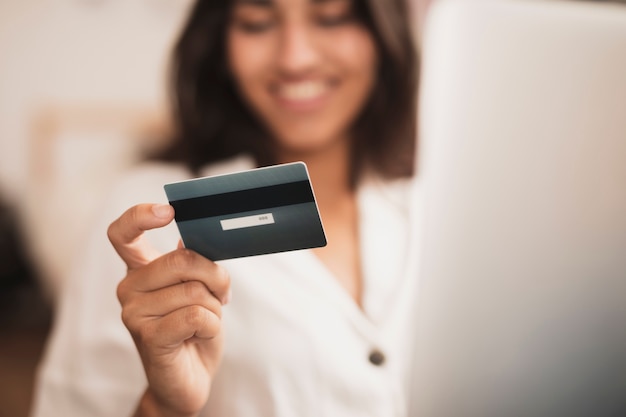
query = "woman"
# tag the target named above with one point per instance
(319, 332)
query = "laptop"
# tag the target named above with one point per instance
(522, 301)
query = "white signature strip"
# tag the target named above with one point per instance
(247, 221)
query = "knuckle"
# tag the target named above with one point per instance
(213, 324)
(206, 323)
(217, 310)
(196, 315)
(114, 229)
(141, 335)
(180, 259)
(121, 291)
(111, 232)
(222, 277)
(132, 214)
(133, 324)
(194, 290)
(127, 318)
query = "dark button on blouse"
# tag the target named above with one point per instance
(376, 357)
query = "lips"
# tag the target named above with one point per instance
(302, 96)
(302, 91)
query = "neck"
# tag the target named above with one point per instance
(336, 199)
(330, 173)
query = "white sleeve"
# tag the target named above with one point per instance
(90, 366)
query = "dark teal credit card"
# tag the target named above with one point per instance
(255, 212)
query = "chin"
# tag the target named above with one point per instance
(304, 145)
(308, 138)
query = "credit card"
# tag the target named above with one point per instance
(255, 212)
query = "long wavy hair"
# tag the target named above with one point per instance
(211, 121)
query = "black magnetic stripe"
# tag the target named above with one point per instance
(244, 200)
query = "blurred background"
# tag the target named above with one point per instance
(82, 98)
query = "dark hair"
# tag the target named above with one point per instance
(212, 122)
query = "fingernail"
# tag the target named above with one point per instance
(162, 210)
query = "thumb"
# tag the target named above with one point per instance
(126, 232)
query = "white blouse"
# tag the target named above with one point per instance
(296, 344)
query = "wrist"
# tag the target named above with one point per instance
(149, 406)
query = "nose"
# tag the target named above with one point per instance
(298, 50)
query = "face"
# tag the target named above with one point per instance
(305, 67)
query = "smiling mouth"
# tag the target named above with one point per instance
(302, 91)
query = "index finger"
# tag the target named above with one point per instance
(125, 233)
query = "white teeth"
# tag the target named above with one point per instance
(305, 90)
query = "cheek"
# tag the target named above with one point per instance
(247, 60)
(357, 53)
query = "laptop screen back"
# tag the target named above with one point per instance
(522, 304)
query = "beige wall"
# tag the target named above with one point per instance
(73, 53)
(80, 82)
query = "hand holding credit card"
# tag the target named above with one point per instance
(255, 212)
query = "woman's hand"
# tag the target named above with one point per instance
(171, 304)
